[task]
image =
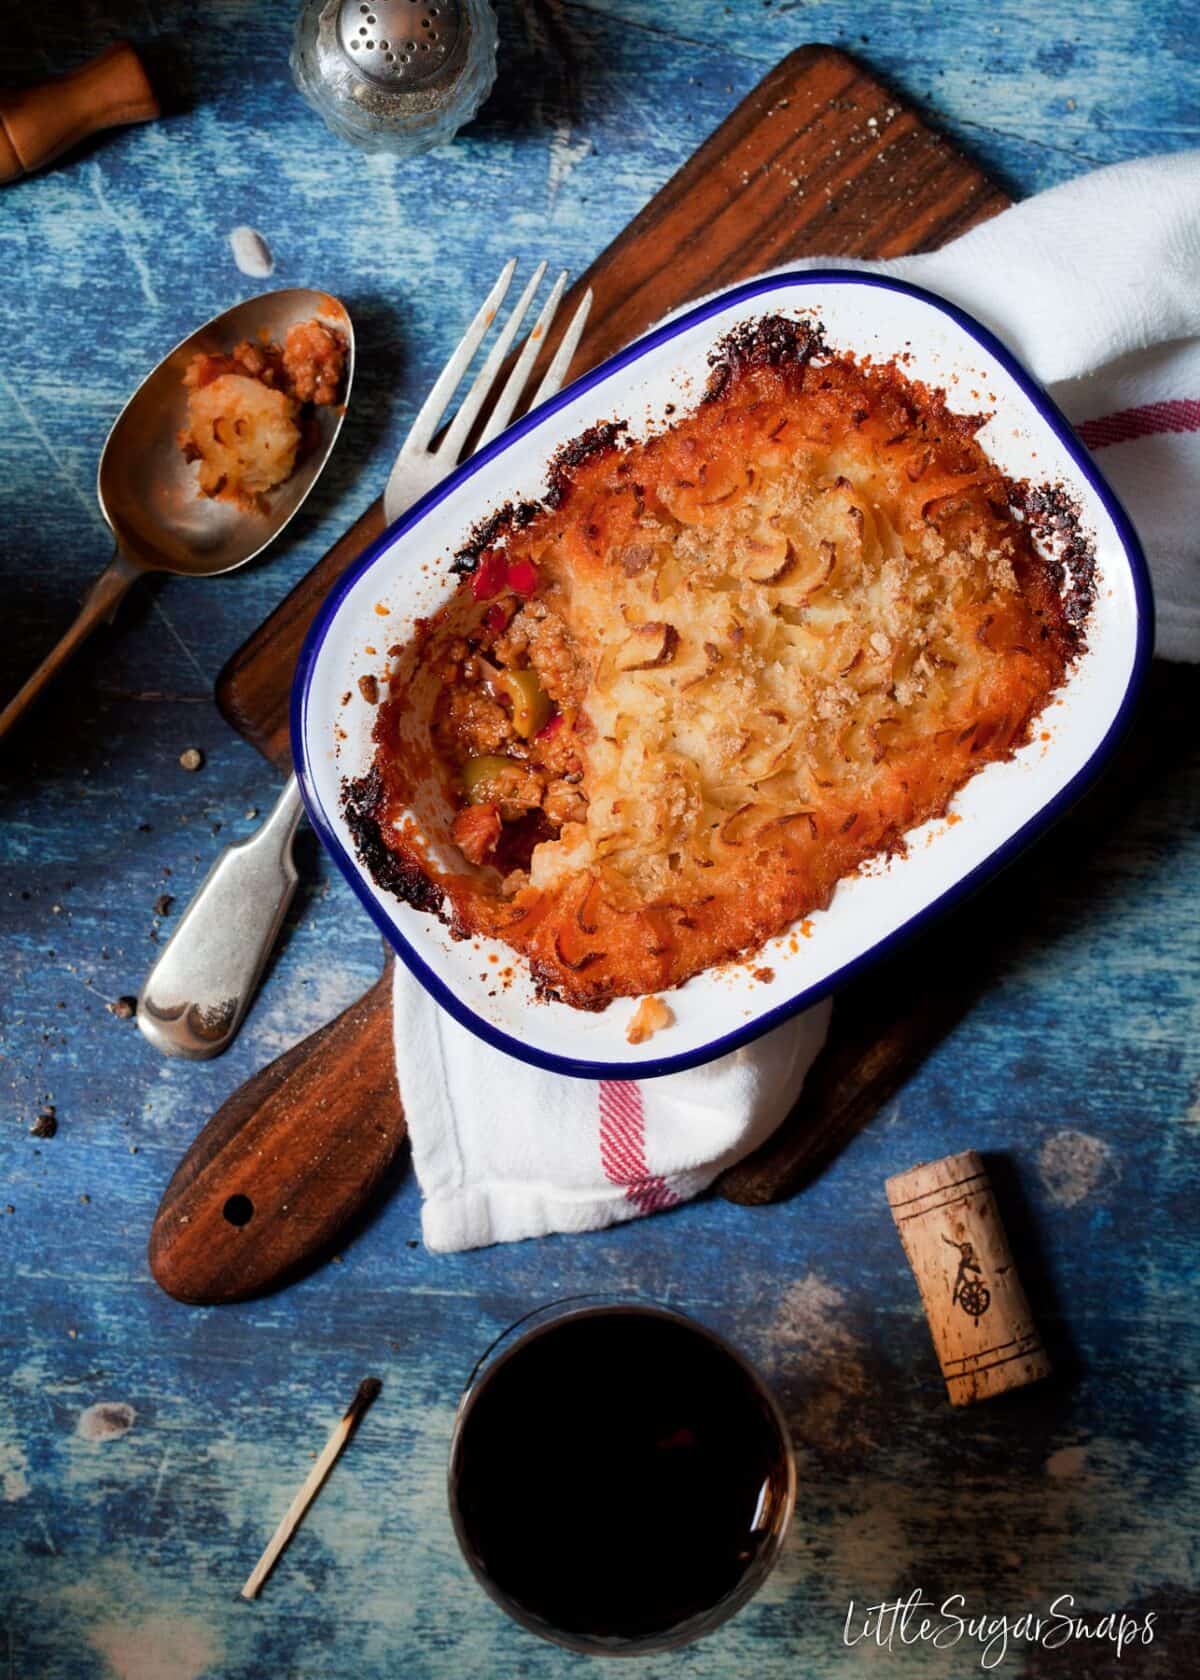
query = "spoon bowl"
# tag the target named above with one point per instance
(148, 492)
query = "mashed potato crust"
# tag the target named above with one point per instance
(244, 436)
(714, 673)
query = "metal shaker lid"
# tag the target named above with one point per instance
(399, 43)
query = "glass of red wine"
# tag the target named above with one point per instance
(621, 1480)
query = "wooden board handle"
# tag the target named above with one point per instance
(293, 1158)
(39, 123)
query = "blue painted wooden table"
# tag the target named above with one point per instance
(147, 1449)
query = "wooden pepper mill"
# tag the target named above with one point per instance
(983, 1332)
(39, 123)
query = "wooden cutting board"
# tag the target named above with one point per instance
(820, 159)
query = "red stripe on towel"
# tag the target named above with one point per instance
(623, 1147)
(1181, 414)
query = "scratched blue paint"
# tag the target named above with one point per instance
(1079, 1064)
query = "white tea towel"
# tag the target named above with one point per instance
(1096, 286)
(504, 1151)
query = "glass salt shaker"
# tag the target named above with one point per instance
(395, 76)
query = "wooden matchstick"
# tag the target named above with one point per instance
(364, 1394)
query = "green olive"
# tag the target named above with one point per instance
(478, 774)
(530, 702)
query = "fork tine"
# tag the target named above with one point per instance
(515, 383)
(556, 372)
(426, 423)
(456, 435)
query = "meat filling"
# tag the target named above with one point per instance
(507, 724)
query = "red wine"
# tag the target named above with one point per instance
(619, 1477)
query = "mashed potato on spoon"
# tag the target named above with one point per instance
(246, 410)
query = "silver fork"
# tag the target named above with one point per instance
(194, 998)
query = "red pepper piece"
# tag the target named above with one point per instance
(477, 829)
(488, 579)
(522, 577)
(550, 728)
(496, 618)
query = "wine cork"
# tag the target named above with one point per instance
(982, 1329)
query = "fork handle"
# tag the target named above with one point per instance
(195, 996)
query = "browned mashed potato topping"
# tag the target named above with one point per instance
(715, 672)
(247, 410)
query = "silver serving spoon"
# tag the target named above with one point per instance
(147, 491)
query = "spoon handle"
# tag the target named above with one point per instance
(195, 996)
(100, 602)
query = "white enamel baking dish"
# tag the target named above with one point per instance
(1003, 808)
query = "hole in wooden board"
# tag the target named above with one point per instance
(239, 1210)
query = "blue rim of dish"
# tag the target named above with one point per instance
(996, 860)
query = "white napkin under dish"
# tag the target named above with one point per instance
(1096, 287)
